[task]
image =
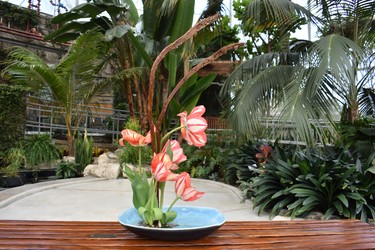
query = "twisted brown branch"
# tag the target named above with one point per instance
(194, 70)
(190, 33)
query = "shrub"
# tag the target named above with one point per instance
(67, 170)
(39, 149)
(237, 167)
(12, 115)
(14, 159)
(207, 162)
(332, 182)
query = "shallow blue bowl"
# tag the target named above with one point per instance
(191, 223)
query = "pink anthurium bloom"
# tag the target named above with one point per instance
(194, 126)
(135, 139)
(178, 152)
(161, 166)
(184, 190)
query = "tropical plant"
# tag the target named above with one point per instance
(83, 151)
(307, 84)
(237, 166)
(71, 83)
(207, 162)
(307, 181)
(67, 169)
(14, 160)
(162, 23)
(39, 149)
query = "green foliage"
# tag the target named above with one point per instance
(39, 149)
(239, 160)
(130, 154)
(72, 82)
(12, 115)
(67, 169)
(332, 181)
(14, 159)
(17, 16)
(209, 161)
(83, 151)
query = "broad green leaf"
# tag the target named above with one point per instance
(140, 189)
(172, 69)
(117, 32)
(169, 216)
(157, 213)
(343, 199)
(371, 170)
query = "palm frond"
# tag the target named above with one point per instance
(280, 11)
(26, 68)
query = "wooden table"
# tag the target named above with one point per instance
(307, 234)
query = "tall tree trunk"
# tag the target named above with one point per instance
(69, 137)
(353, 112)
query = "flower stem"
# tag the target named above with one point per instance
(167, 135)
(162, 188)
(140, 159)
(174, 202)
(155, 190)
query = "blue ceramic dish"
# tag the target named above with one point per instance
(191, 223)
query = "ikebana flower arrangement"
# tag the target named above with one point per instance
(148, 195)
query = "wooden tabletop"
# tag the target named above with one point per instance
(301, 234)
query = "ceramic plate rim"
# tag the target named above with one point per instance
(218, 224)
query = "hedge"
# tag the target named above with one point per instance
(12, 115)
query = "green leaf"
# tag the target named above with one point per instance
(189, 98)
(128, 172)
(343, 199)
(140, 189)
(338, 206)
(116, 32)
(169, 216)
(172, 59)
(310, 200)
(157, 213)
(371, 170)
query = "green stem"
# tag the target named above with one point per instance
(167, 135)
(140, 159)
(152, 196)
(174, 202)
(162, 188)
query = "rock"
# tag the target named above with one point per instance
(107, 157)
(108, 170)
(69, 159)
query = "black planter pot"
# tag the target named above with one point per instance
(13, 181)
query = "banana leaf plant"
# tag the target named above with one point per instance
(162, 23)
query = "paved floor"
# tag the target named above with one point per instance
(94, 199)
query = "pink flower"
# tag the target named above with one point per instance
(161, 166)
(194, 126)
(135, 139)
(184, 190)
(178, 152)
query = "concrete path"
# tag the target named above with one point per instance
(93, 199)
